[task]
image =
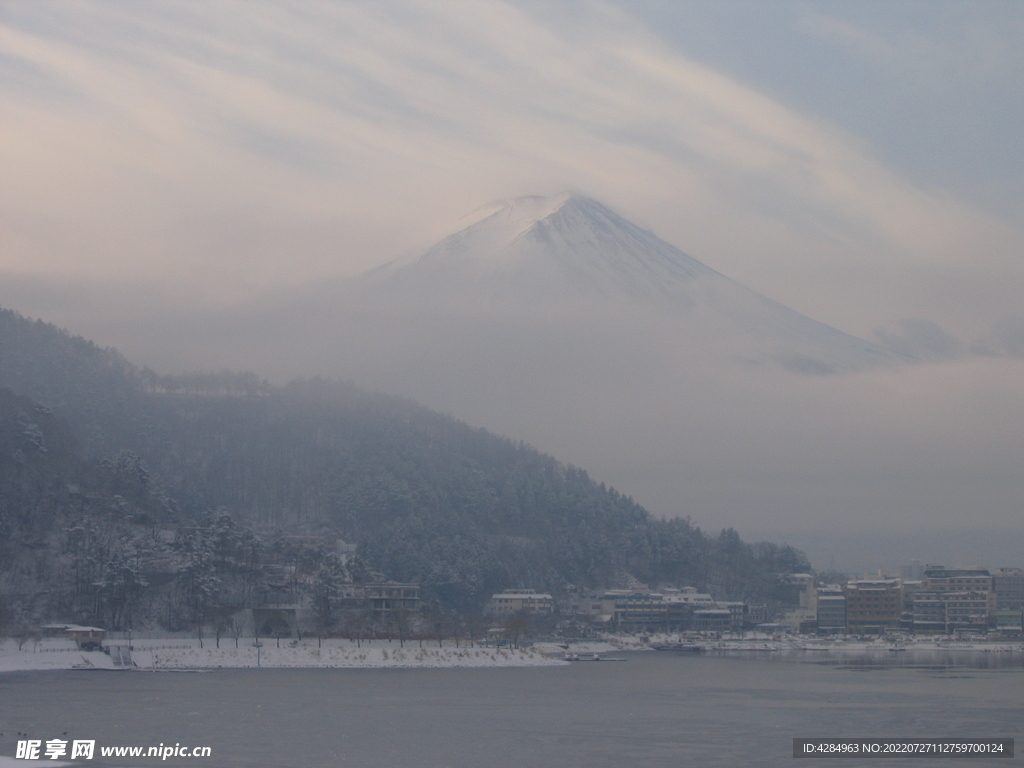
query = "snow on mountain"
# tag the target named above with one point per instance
(568, 256)
(538, 248)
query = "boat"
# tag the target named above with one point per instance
(680, 647)
(595, 657)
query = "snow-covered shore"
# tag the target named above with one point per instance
(178, 654)
(761, 643)
(181, 654)
(841, 645)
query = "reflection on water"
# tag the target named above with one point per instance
(931, 661)
(928, 660)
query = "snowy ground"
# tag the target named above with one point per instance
(186, 653)
(769, 643)
(587, 647)
(156, 654)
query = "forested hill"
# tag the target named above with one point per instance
(94, 389)
(425, 497)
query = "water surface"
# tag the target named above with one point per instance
(657, 709)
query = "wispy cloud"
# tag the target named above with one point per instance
(150, 139)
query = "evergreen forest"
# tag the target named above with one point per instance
(130, 498)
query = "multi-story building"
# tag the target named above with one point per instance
(831, 604)
(873, 606)
(1008, 584)
(757, 613)
(966, 581)
(283, 614)
(712, 620)
(671, 609)
(967, 611)
(1009, 621)
(940, 579)
(688, 596)
(910, 588)
(680, 605)
(515, 600)
(929, 612)
(640, 610)
(389, 598)
(809, 597)
(948, 612)
(737, 613)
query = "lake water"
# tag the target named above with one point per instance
(657, 709)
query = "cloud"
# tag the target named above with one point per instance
(921, 339)
(154, 139)
(1008, 335)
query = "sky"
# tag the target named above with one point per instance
(169, 165)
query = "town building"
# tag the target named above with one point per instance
(281, 614)
(670, 609)
(1008, 584)
(873, 606)
(391, 597)
(831, 605)
(964, 590)
(680, 605)
(640, 610)
(940, 579)
(712, 620)
(929, 613)
(968, 611)
(1009, 621)
(757, 613)
(737, 614)
(515, 600)
(800, 619)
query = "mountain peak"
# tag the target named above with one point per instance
(569, 256)
(508, 218)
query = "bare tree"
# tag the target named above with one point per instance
(221, 618)
(516, 626)
(237, 624)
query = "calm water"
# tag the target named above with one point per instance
(655, 710)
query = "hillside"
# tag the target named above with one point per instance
(425, 497)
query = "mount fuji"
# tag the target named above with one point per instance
(568, 258)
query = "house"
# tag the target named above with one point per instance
(388, 598)
(87, 638)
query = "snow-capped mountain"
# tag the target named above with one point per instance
(568, 256)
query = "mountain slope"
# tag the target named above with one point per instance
(90, 386)
(570, 257)
(425, 497)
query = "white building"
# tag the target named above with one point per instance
(514, 600)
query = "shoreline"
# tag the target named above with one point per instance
(178, 655)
